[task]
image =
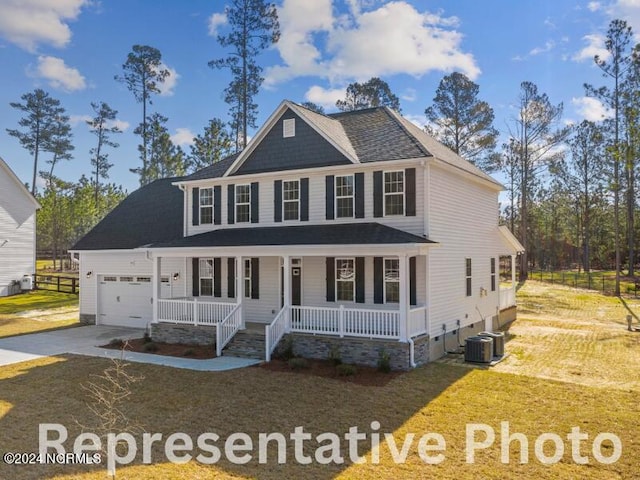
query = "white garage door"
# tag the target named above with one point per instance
(125, 300)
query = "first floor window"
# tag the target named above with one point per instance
(206, 205)
(247, 277)
(345, 279)
(394, 193)
(493, 274)
(243, 203)
(344, 196)
(468, 276)
(391, 280)
(291, 199)
(206, 277)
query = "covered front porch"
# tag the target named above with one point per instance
(373, 291)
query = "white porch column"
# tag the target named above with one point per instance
(513, 271)
(240, 287)
(155, 294)
(286, 280)
(403, 261)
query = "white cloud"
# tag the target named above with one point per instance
(594, 6)
(391, 39)
(418, 120)
(326, 97)
(33, 22)
(628, 10)
(182, 137)
(167, 87)
(591, 108)
(122, 125)
(409, 95)
(59, 75)
(216, 20)
(549, 44)
(595, 46)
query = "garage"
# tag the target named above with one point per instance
(125, 300)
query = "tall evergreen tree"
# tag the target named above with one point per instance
(463, 122)
(143, 71)
(254, 27)
(58, 143)
(615, 68)
(102, 126)
(39, 123)
(164, 158)
(375, 92)
(211, 146)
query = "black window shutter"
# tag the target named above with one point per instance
(195, 271)
(231, 204)
(217, 277)
(410, 189)
(217, 205)
(331, 279)
(195, 213)
(304, 199)
(330, 197)
(254, 203)
(255, 278)
(359, 279)
(377, 194)
(277, 201)
(231, 277)
(413, 297)
(378, 280)
(359, 185)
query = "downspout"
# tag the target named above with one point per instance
(185, 200)
(412, 360)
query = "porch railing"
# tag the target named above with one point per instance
(507, 297)
(192, 311)
(417, 321)
(343, 321)
(227, 328)
(275, 330)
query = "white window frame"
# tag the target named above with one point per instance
(386, 194)
(291, 201)
(385, 281)
(241, 204)
(343, 197)
(288, 128)
(208, 206)
(338, 280)
(468, 276)
(201, 277)
(246, 277)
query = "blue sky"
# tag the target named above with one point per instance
(74, 48)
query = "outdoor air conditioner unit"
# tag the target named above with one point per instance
(498, 342)
(478, 349)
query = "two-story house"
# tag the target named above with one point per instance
(354, 231)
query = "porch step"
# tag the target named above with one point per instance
(246, 344)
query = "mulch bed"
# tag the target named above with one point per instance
(368, 376)
(168, 349)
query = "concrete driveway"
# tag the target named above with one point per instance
(86, 340)
(68, 340)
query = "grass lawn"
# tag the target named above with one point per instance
(37, 310)
(440, 398)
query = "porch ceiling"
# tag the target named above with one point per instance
(300, 235)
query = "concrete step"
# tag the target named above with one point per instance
(246, 344)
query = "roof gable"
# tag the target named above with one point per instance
(307, 148)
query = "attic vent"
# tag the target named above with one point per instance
(289, 128)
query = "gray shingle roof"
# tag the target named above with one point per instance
(327, 234)
(152, 213)
(213, 171)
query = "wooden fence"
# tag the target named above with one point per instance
(57, 283)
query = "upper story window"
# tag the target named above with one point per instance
(345, 279)
(394, 193)
(206, 205)
(243, 203)
(291, 200)
(391, 280)
(468, 276)
(344, 196)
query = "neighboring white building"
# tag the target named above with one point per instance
(17, 230)
(348, 226)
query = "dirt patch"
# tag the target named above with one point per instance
(168, 349)
(368, 376)
(50, 314)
